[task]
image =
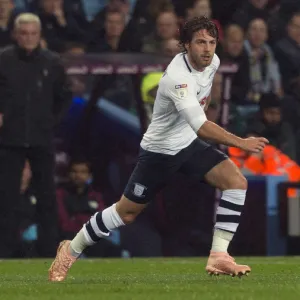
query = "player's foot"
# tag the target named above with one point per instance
(221, 263)
(62, 262)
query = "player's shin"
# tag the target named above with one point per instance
(99, 226)
(228, 218)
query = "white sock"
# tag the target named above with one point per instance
(111, 218)
(79, 243)
(228, 218)
(98, 227)
(221, 240)
(230, 209)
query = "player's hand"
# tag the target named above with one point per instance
(254, 144)
(1, 120)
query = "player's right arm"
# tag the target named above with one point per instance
(183, 94)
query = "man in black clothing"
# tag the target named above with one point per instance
(60, 24)
(287, 53)
(250, 10)
(114, 36)
(34, 95)
(233, 52)
(7, 15)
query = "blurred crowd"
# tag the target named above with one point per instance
(260, 37)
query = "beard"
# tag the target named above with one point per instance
(201, 62)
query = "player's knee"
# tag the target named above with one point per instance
(233, 179)
(128, 210)
(238, 182)
(242, 183)
(129, 218)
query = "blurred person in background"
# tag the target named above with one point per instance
(150, 81)
(77, 201)
(171, 47)
(113, 22)
(264, 71)
(213, 110)
(58, 24)
(166, 29)
(34, 95)
(118, 88)
(27, 215)
(198, 8)
(280, 18)
(76, 8)
(73, 8)
(270, 123)
(122, 6)
(113, 38)
(271, 161)
(6, 22)
(232, 52)
(149, 88)
(145, 14)
(287, 52)
(249, 10)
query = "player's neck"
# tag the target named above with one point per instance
(193, 64)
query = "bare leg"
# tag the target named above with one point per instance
(100, 225)
(228, 178)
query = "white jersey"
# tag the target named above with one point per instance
(180, 87)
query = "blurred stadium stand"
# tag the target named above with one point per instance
(108, 115)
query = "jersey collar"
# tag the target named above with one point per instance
(189, 66)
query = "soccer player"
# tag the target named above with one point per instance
(174, 142)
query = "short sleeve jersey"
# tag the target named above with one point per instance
(180, 87)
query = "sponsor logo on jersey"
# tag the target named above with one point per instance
(180, 86)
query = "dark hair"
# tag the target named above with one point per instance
(79, 161)
(269, 100)
(198, 23)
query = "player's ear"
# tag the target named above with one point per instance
(187, 46)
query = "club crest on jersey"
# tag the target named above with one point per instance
(139, 190)
(181, 90)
